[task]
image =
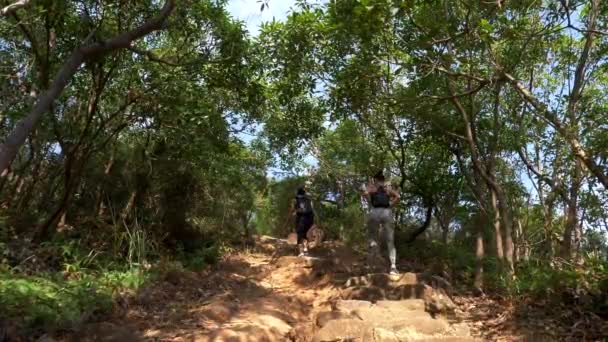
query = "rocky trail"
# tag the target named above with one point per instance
(266, 293)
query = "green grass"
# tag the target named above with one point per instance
(82, 288)
(51, 302)
(537, 278)
(80, 281)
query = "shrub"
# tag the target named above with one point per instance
(51, 302)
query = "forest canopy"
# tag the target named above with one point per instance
(138, 130)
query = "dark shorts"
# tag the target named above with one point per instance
(303, 224)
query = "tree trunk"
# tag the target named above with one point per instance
(517, 243)
(483, 171)
(24, 201)
(246, 225)
(445, 230)
(129, 207)
(497, 231)
(19, 182)
(567, 250)
(53, 180)
(524, 246)
(569, 130)
(100, 207)
(479, 255)
(14, 7)
(5, 176)
(62, 221)
(73, 169)
(507, 220)
(13, 142)
(578, 150)
(548, 228)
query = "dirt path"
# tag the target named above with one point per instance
(251, 296)
(268, 294)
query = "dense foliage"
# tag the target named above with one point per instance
(136, 120)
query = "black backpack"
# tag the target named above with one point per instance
(380, 198)
(303, 204)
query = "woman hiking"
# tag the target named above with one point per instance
(382, 199)
(305, 217)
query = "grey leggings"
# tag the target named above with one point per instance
(384, 217)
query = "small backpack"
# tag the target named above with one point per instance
(303, 204)
(380, 198)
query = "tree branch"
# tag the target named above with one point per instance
(554, 186)
(11, 145)
(473, 91)
(471, 183)
(460, 74)
(577, 148)
(28, 35)
(579, 74)
(14, 7)
(151, 56)
(123, 40)
(425, 225)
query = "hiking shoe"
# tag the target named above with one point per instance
(393, 271)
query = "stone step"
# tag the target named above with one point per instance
(407, 304)
(342, 329)
(322, 318)
(445, 339)
(291, 261)
(384, 317)
(383, 280)
(436, 300)
(385, 320)
(382, 311)
(417, 330)
(414, 323)
(383, 335)
(348, 305)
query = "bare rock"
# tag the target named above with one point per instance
(301, 333)
(436, 300)
(342, 329)
(382, 335)
(367, 293)
(419, 325)
(461, 329)
(326, 316)
(437, 282)
(386, 318)
(347, 306)
(402, 305)
(382, 280)
(443, 339)
(408, 279)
